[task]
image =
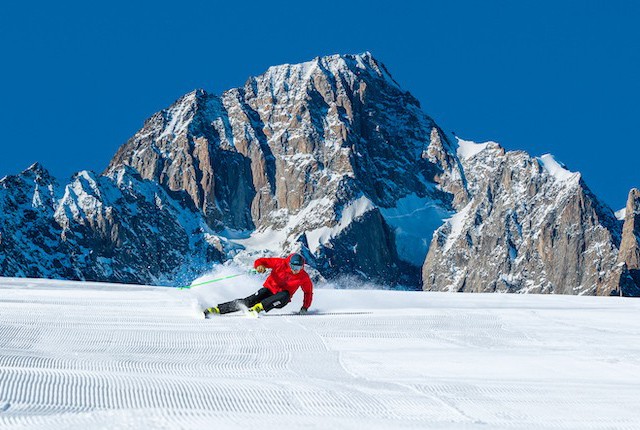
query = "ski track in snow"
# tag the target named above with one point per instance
(87, 355)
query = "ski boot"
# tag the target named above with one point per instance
(211, 311)
(255, 310)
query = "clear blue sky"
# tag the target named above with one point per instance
(79, 78)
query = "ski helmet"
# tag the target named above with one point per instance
(296, 262)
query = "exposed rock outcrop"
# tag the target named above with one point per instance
(303, 142)
(530, 226)
(117, 228)
(629, 256)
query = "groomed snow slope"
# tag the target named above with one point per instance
(83, 356)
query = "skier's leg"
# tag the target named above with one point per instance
(278, 300)
(247, 302)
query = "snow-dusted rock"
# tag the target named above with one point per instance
(118, 227)
(531, 226)
(630, 247)
(630, 244)
(29, 235)
(287, 157)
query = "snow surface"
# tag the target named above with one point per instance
(178, 116)
(89, 355)
(351, 212)
(457, 223)
(271, 241)
(414, 220)
(556, 169)
(467, 149)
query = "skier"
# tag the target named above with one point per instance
(287, 275)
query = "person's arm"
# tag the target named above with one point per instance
(307, 288)
(266, 263)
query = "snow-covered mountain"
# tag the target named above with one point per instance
(327, 156)
(330, 158)
(117, 227)
(531, 225)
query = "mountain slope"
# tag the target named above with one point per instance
(531, 226)
(29, 234)
(118, 227)
(312, 154)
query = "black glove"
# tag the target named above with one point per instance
(303, 311)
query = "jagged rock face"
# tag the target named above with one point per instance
(358, 250)
(288, 137)
(450, 177)
(530, 226)
(118, 228)
(28, 232)
(630, 244)
(183, 148)
(294, 132)
(300, 142)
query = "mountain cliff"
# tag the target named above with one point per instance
(316, 156)
(117, 227)
(629, 256)
(531, 225)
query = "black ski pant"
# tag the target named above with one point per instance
(268, 299)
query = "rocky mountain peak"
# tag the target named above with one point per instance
(36, 173)
(328, 117)
(34, 186)
(630, 245)
(305, 142)
(450, 176)
(36, 168)
(347, 67)
(531, 225)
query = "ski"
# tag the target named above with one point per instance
(292, 314)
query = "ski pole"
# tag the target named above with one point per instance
(215, 280)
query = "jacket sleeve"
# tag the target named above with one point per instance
(307, 288)
(269, 263)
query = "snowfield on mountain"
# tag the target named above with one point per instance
(80, 355)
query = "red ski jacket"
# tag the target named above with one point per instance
(283, 279)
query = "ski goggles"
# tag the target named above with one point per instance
(295, 266)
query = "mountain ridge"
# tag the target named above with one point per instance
(333, 159)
